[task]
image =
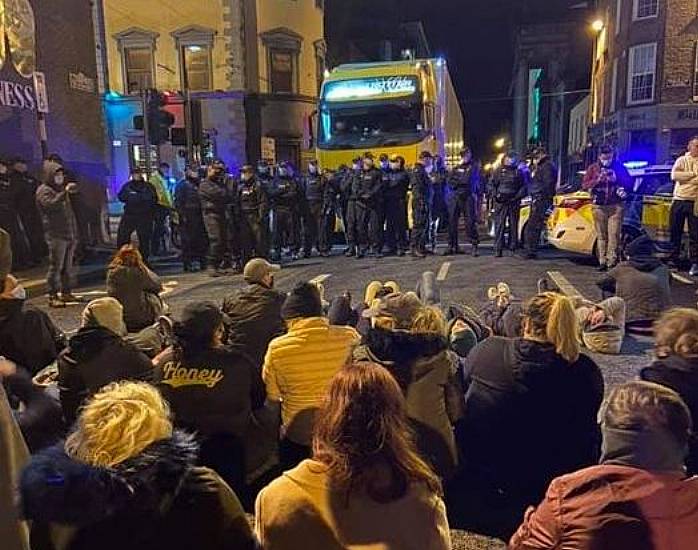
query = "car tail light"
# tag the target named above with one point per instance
(573, 203)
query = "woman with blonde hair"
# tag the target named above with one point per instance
(136, 287)
(676, 363)
(366, 486)
(530, 413)
(126, 479)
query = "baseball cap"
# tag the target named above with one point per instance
(199, 319)
(257, 268)
(400, 306)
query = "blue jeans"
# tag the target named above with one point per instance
(61, 269)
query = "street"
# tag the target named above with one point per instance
(462, 278)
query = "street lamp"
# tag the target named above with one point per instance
(500, 143)
(597, 25)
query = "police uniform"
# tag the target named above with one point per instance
(369, 207)
(285, 196)
(254, 212)
(217, 195)
(194, 238)
(508, 188)
(398, 183)
(462, 188)
(313, 188)
(419, 183)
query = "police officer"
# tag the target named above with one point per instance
(436, 201)
(9, 221)
(350, 193)
(217, 195)
(254, 211)
(140, 200)
(285, 197)
(313, 188)
(396, 206)
(542, 191)
(508, 187)
(462, 188)
(192, 230)
(370, 205)
(419, 183)
(26, 186)
(331, 208)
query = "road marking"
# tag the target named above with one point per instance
(443, 272)
(169, 287)
(682, 279)
(92, 293)
(564, 285)
(320, 279)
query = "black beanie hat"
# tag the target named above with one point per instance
(303, 301)
(640, 247)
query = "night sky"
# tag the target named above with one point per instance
(476, 37)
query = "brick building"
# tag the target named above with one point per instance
(645, 78)
(57, 41)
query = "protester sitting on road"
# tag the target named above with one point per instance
(502, 312)
(299, 365)
(28, 336)
(37, 413)
(409, 341)
(341, 311)
(366, 486)
(97, 355)
(255, 312)
(601, 326)
(639, 496)
(676, 364)
(643, 282)
(213, 391)
(136, 287)
(530, 414)
(375, 290)
(126, 479)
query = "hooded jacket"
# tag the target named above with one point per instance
(56, 209)
(94, 358)
(645, 285)
(138, 292)
(529, 416)
(28, 336)
(681, 375)
(156, 499)
(426, 372)
(139, 198)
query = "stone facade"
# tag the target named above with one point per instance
(657, 129)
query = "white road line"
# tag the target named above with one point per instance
(564, 285)
(682, 279)
(443, 272)
(321, 278)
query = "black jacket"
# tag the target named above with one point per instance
(26, 186)
(419, 183)
(56, 209)
(398, 183)
(94, 358)
(139, 198)
(286, 193)
(508, 184)
(544, 180)
(217, 196)
(28, 336)
(213, 392)
(463, 180)
(530, 416)
(252, 197)
(314, 187)
(157, 499)
(254, 320)
(186, 199)
(369, 184)
(681, 375)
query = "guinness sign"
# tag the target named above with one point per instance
(18, 50)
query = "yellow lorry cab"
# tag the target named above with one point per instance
(401, 107)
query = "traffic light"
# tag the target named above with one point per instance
(159, 120)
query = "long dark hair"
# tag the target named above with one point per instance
(362, 432)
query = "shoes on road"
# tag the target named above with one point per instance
(693, 272)
(55, 302)
(416, 253)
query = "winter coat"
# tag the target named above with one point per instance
(56, 209)
(213, 392)
(681, 375)
(370, 187)
(420, 184)
(139, 198)
(155, 500)
(314, 186)
(607, 185)
(544, 181)
(286, 193)
(508, 184)
(463, 180)
(14, 455)
(301, 510)
(426, 372)
(644, 285)
(217, 196)
(613, 506)
(95, 357)
(298, 367)
(252, 198)
(254, 320)
(28, 336)
(398, 184)
(137, 291)
(529, 416)
(187, 200)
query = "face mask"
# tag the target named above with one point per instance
(606, 162)
(283, 172)
(509, 162)
(3, 170)
(59, 180)
(368, 165)
(394, 166)
(356, 166)
(312, 169)
(246, 177)
(467, 159)
(19, 293)
(385, 165)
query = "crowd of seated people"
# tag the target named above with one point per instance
(345, 426)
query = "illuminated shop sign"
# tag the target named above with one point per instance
(370, 88)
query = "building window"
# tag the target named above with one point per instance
(137, 47)
(196, 67)
(282, 65)
(195, 47)
(644, 9)
(695, 73)
(614, 85)
(642, 73)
